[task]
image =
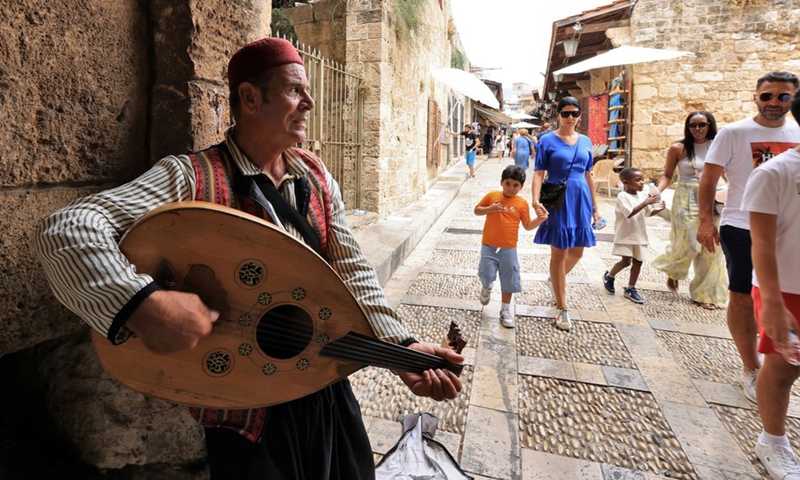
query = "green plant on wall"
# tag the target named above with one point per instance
(457, 59)
(409, 17)
(280, 25)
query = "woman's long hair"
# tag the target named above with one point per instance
(688, 139)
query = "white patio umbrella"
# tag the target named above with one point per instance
(523, 125)
(520, 116)
(625, 55)
(466, 84)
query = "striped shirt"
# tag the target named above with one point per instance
(78, 244)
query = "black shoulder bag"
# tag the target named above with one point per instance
(551, 195)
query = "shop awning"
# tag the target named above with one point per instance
(467, 84)
(625, 55)
(494, 115)
(521, 116)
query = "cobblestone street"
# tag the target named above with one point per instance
(632, 392)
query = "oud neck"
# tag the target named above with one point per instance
(358, 348)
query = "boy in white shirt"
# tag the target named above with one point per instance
(630, 234)
(772, 196)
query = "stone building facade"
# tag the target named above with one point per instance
(395, 64)
(736, 42)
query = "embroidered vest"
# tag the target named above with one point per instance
(215, 171)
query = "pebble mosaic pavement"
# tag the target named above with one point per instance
(632, 392)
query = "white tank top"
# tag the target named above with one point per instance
(685, 166)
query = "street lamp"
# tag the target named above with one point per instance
(571, 47)
(558, 76)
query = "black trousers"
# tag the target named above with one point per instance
(317, 437)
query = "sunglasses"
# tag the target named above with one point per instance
(782, 97)
(698, 125)
(567, 113)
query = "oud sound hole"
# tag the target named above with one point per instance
(284, 331)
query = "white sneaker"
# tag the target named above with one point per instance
(748, 381)
(781, 462)
(563, 321)
(552, 290)
(486, 294)
(506, 319)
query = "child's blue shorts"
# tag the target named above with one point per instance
(504, 260)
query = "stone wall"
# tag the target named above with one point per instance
(92, 92)
(734, 47)
(396, 70)
(323, 26)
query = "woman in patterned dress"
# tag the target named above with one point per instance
(708, 287)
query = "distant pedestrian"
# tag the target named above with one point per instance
(566, 156)
(546, 128)
(630, 234)
(471, 144)
(505, 210)
(523, 148)
(500, 144)
(488, 142)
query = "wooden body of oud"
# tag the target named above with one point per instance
(252, 269)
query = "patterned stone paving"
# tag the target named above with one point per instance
(474, 222)
(704, 358)
(745, 427)
(602, 424)
(587, 342)
(382, 394)
(466, 287)
(429, 323)
(679, 306)
(579, 296)
(455, 240)
(469, 259)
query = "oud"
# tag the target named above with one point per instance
(288, 325)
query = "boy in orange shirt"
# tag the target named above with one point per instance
(504, 211)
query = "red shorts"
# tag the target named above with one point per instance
(792, 301)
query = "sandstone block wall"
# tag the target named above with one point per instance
(398, 83)
(93, 92)
(734, 47)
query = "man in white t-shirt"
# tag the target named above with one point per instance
(772, 197)
(737, 149)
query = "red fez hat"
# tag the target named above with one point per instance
(258, 57)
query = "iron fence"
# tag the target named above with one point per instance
(335, 127)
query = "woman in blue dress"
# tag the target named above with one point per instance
(523, 148)
(568, 230)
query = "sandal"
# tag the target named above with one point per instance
(706, 305)
(672, 285)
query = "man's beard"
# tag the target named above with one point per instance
(772, 114)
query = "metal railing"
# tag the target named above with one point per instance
(335, 127)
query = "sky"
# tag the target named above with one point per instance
(512, 35)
